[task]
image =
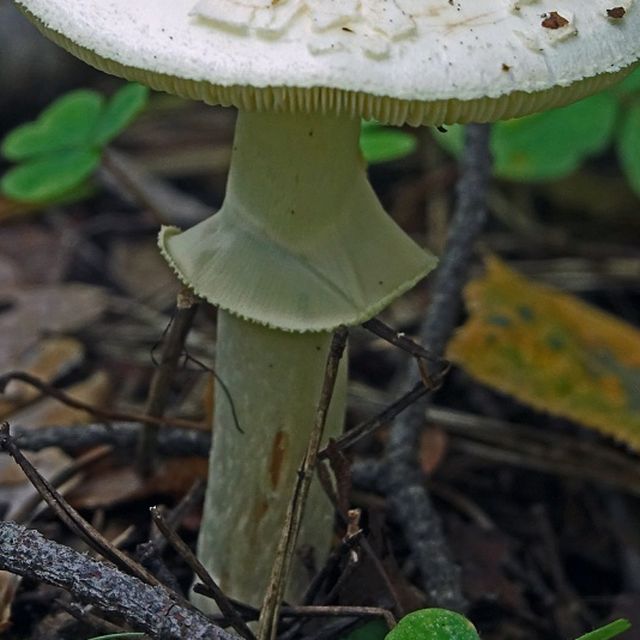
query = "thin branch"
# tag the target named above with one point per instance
(367, 427)
(150, 553)
(174, 518)
(69, 515)
(508, 442)
(102, 414)
(150, 609)
(170, 205)
(159, 392)
(400, 340)
(25, 512)
(332, 563)
(405, 488)
(312, 611)
(339, 611)
(268, 623)
(227, 609)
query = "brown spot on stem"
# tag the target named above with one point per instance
(278, 453)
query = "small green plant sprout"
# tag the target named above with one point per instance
(433, 624)
(608, 631)
(555, 143)
(384, 144)
(441, 624)
(57, 154)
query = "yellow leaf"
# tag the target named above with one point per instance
(551, 351)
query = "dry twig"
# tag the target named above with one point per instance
(150, 609)
(102, 414)
(404, 479)
(65, 512)
(268, 623)
(172, 348)
(227, 609)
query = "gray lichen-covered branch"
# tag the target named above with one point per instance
(404, 479)
(150, 609)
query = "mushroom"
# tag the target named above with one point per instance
(301, 244)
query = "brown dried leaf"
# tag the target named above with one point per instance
(41, 255)
(28, 313)
(16, 490)
(9, 209)
(9, 272)
(95, 390)
(552, 351)
(9, 583)
(484, 557)
(50, 359)
(433, 447)
(141, 271)
(108, 485)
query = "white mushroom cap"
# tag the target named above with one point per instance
(416, 61)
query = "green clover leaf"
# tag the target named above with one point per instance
(547, 145)
(628, 145)
(433, 624)
(51, 177)
(67, 124)
(384, 144)
(62, 148)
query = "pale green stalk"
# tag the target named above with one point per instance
(274, 379)
(300, 246)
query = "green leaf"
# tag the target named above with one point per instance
(369, 124)
(68, 123)
(434, 624)
(383, 144)
(120, 111)
(628, 146)
(548, 145)
(451, 140)
(629, 86)
(373, 630)
(51, 177)
(552, 144)
(608, 631)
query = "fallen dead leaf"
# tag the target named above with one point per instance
(484, 557)
(9, 583)
(28, 313)
(108, 485)
(9, 272)
(552, 351)
(15, 490)
(40, 255)
(141, 271)
(48, 360)
(433, 447)
(9, 209)
(95, 390)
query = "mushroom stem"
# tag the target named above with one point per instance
(272, 383)
(300, 246)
